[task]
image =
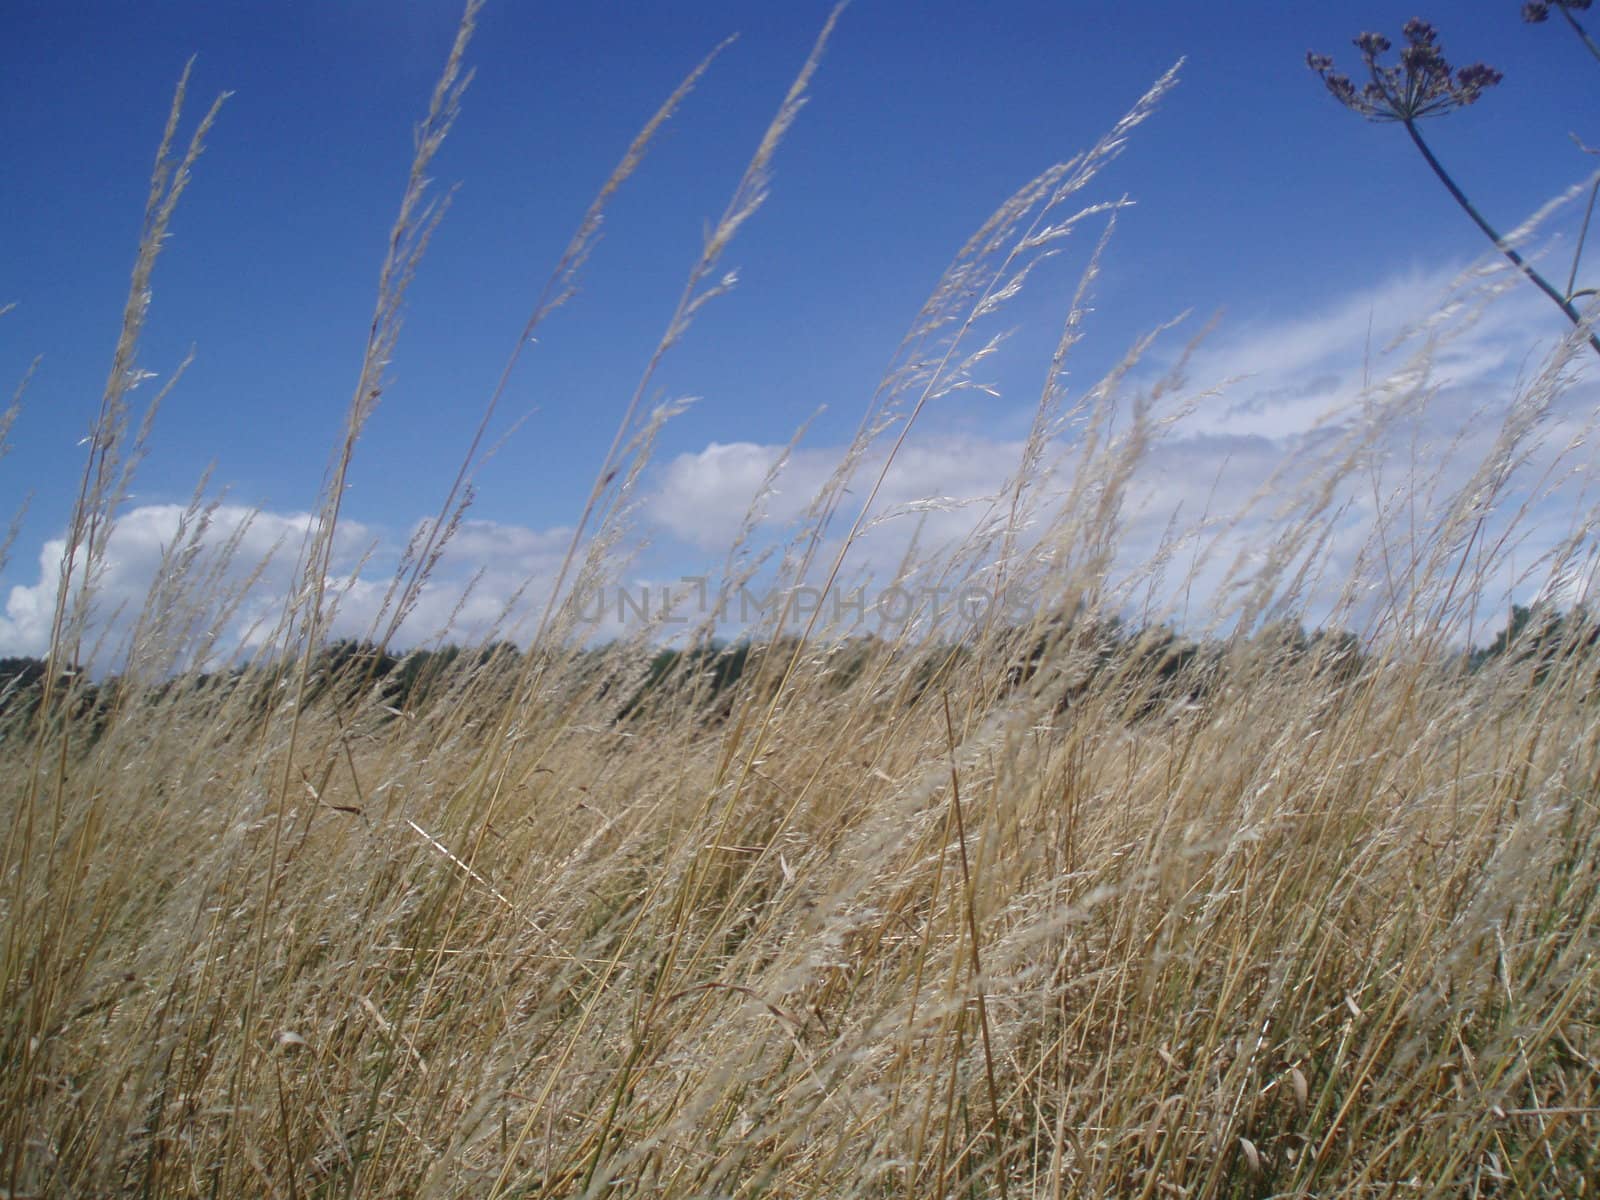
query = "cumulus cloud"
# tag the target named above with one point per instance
(146, 538)
(220, 585)
(703, 498)
(492, 578)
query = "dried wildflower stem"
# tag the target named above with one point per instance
(1583, 34)
(1583, 236)
(1500, 244)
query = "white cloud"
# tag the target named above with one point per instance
(703, 498)
(491, 579)
(1294, 373)
(1304, 390)
(142, 539)
(244, 569)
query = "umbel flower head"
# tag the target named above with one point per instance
(1537, 11)
(1420, 85)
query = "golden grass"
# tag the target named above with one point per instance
(1046, 912)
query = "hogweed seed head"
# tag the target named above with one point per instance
(1371, 45)
(1475, 79)
(1419, 32)
(1421, 85)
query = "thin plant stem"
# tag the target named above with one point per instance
(1583, 235)
(1582, 33)
(1500, 244)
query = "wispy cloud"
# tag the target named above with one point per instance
(1287, 376)
(1413, 377)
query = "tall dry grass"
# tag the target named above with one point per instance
(1058, 907)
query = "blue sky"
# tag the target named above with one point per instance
(1256, 197)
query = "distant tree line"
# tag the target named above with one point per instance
(1541, 637)
(1069, 658)
(347, 668)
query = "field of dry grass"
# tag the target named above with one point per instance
(1051, 908)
